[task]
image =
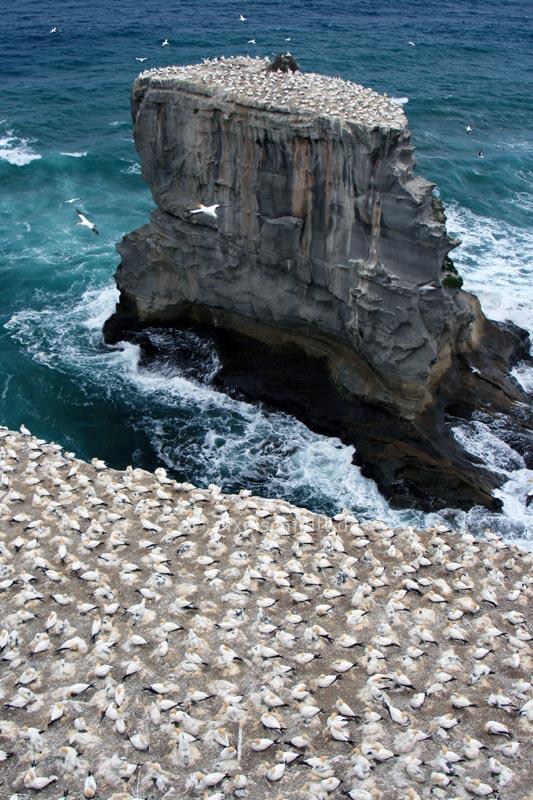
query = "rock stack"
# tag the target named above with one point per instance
(326, 241)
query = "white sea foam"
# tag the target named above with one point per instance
(401, 100)
(517, 523)
(477, 438)
(74, 155)
(16, 151)
(523, 373)
(133, 169)
(495, 260)
(99, 305)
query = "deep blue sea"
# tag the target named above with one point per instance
(65, 133)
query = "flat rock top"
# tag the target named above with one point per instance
(159, 640)
(246, 81)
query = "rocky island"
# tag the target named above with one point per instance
(325, 279)
(164, 641)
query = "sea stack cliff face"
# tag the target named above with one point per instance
(325, 237)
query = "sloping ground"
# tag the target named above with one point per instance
(160, 640)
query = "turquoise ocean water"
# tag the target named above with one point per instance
(65, 133)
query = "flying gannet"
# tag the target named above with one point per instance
(86, 222)
(210, 211)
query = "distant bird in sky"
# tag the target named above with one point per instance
(72, 199)
(241, 18)
(53, 30)
(86, 222)
(141, 59)
(209, 211)
(164, 43)
(412, 44)
(468, 129)
(251, 41)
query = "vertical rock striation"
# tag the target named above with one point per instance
(325, 238)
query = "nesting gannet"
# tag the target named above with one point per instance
(239, 680)
(86, 222)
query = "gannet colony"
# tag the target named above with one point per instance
(164, 641)
(246, 80)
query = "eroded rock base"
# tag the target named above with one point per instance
(415, 464)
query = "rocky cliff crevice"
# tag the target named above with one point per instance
(325, 239)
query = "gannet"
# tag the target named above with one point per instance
(242, 19)
(210, 211)
(164, 43)
(86, 222)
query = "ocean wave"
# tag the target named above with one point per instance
(496, 262)
(516, 521)
(133, 169)
(16, 150)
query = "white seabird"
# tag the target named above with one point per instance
(86, 222)
(165, 43)
(210, 211)
(142, 58)
(241, 18)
